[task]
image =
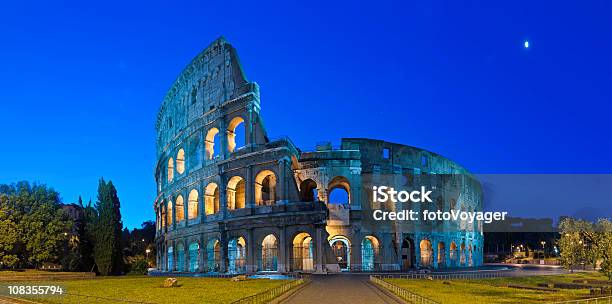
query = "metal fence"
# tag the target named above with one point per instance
(270, 294)
(81, 298)
(449, 276)
(401, 292)
(602, 300)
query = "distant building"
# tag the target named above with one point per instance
(230, 199)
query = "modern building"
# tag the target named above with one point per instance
(231, 199)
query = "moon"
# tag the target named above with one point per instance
(526, 44)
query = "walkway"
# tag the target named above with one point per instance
(339, 289)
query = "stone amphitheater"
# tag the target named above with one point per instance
(232, 200)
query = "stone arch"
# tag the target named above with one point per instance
(408, 253)
(194, 256)
(180, 161)
(192, 204)
(213, 255)
(179, 208)
(211, 199)
(308, 191)
(163, 218)
(231, 133)
(269, 253)
(343, 188)
(211, 143)
(462, 259)
(170, 169)
(170, 214)
(303, 252)
(170, 258)
(370, 249)
(265, 188)
(453, 254)
(426, 253)
(441, 255)
(236, 253)
(180, 256)
(341, 249)
(470, 256)
(236, 193)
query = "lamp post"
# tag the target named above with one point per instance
(543, 251)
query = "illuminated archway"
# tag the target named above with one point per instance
(236, 253)
(369, 253)
(210, 143)
(303, 253)
(341, 249)
(426, 253)
(235, 193)
(232, 132)
(441, 255)
(265, 188)
(408, 254)
(179, 209)
(213, 255)
(269, 253)
(453, 254)
(170, 169)
(170, 219)
(211, 199)
(180, 257)
(192, 206)
(194, 255)
(180, 161)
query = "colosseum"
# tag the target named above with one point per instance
(232, 200)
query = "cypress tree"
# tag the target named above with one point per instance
(107, 248)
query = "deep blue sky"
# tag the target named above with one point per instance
(80, 83)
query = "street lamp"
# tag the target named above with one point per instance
(147, 251)
(543, 251)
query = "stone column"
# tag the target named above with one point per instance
(185, 255)
(251, 252)
(223, 196)
(320, 252)
(282, 250)
(223, 153)
(249, 186)
(202, 255)
(282, 183)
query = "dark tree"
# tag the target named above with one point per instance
(107, 234)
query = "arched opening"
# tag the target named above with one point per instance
(441, 255)
(269, 253)
(470, 259)
(180, 209)
(211, 199)
(213, 255)
(265, 188)
(180, 257)
(194, 256)
(180, 161)
(236, 253)
(192, 206)
(308, 191)
(408, 256)
(170, 215)
(453, 254)
(170, 266)
(369, 253)
(235, 134)
(163, 216)
(170, 169)
(426, 253)
(341, 249)
(339, 191)
(235, 193)
(303, 253)
(211, 146)
(462, 255)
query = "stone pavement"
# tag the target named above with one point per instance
(339, 289)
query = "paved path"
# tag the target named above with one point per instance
(339, 289)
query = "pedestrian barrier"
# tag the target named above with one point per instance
(403, 293)
(270, 294)
(601, 300)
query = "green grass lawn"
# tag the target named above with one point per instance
(496, 290)
(143, 288)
